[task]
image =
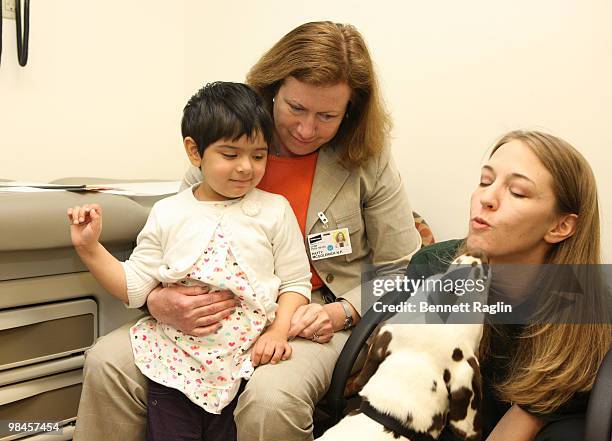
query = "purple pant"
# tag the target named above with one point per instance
(174, 417)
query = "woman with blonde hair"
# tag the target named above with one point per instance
(536, 204)
(330, 158)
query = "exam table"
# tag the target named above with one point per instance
(51, 308)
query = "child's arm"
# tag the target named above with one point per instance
(85, 229)
(272, 346)
(288, 303)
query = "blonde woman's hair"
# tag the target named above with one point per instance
(553, 361)
(322, 54)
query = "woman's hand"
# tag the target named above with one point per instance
(191, 309)
(312, 322)
(85, 225)
(271, 347)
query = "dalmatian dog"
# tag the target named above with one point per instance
(419, 378)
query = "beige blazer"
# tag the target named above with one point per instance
(372, 203)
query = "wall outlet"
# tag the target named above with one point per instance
(8, 9)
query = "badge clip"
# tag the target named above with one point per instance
(323, 219)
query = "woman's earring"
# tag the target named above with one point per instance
(346, 115)
(273, 100)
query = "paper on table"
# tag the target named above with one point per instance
(7, 189)
(21, 186)
(120, 188)
(140, 188)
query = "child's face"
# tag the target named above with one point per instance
(230, 168)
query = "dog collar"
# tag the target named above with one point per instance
(392, 423)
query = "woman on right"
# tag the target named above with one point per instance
(536, 203)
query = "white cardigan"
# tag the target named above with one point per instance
(262, 230)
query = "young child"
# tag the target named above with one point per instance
(223, 233)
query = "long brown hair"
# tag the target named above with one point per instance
(553, 361)
(326, 53)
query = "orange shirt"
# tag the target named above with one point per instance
(292, 177)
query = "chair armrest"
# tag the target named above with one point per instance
(335, 399)
(598, 425)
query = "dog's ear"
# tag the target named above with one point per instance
(465, 390)
(378, 351)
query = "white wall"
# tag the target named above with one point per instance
(101, 95)
(456, 76)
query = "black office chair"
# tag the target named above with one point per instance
(336, 400)
(598, 425)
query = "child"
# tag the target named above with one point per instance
(223, 233)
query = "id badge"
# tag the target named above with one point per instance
(329, 244)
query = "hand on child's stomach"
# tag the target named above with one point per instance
(191, 309)
(85, 224)
(271, 347)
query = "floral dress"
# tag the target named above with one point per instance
(208, 370)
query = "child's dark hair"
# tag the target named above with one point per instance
(224, 110)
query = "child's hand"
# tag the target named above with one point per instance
(270, 347)
(85, 225)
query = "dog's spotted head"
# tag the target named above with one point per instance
(473, 264)
(472, 257)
